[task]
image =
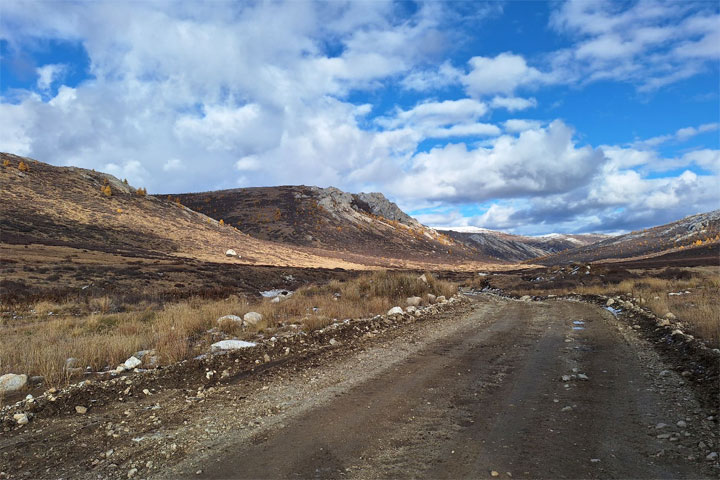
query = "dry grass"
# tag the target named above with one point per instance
(698, 310)
(42, 344)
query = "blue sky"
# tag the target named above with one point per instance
(530, 117)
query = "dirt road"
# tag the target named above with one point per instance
(536, 389)
(482, 394)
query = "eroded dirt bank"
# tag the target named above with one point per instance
(473, 391)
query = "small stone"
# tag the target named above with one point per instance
(333, 341)
(565, 378)
(131, 473)
(712, 456)
(21, 418)
(146, 391)
(660, 425)
(595, 460)
(266, 358)
(582, 376)
(663, 436)
(494, 473)
(80, 409)
(681, 424)
(566, 409)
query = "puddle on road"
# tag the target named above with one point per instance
(578, 325)
(578, 322)
(578, 328)
(612, 310)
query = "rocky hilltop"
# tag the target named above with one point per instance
(362, 223)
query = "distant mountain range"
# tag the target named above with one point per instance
(516, 248)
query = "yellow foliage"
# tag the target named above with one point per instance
(141, 192)
(222, 222)
(23, 167)
(119, 210)
(6, 163)
(106, 190)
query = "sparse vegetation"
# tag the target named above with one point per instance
(6, 163)
(23, 167)
(106, 190)
(141, 192)
(53, 332)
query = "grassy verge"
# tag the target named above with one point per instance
(40, 344)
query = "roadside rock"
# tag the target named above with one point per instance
(231, 253)
(11, 382)
(253, 318)
(131, 363)
(230, 345)
(21, 418)
(423, 278)
(431, 298)
(712, 456)
(414, 301)
(81, 409)
(395, 311)
(670, 316)
(525, 298)
(610, 302)
(441, 299)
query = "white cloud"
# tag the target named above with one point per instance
(517, 125)
(648, 43)
(49, 74)
(434, 79)
(681, 135)
(513, 104)
(537, 162)
(502, 74)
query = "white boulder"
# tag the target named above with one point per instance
(414, 301)
(11, 382)
(230, 345)
(441, 299)
(423, 278)
(670, 316)
(431, 298)
(252, 318)
(231, 253)
(395, 311)
(610, 302)
(131, 363)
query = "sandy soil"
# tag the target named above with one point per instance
(472, 391)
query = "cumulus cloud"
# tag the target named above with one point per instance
(509, 167)
(501, 74)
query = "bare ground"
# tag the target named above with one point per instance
(471, 391)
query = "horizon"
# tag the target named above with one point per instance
(529, 118)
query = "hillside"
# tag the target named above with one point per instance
(688, 233)
(328, 218)
(515, 248)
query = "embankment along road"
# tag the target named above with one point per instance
(553, 389)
